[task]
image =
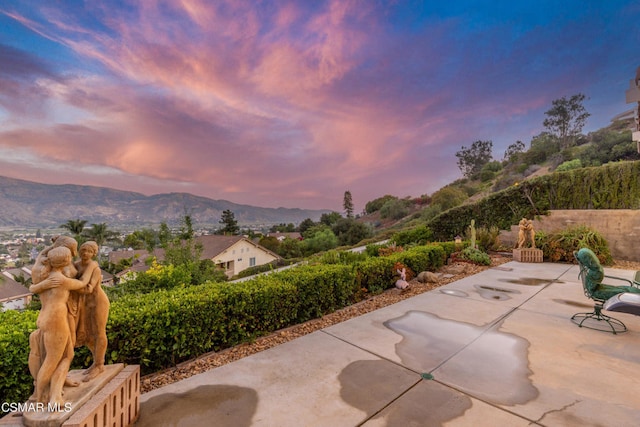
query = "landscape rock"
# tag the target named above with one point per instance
(455, 269)
(428, 277)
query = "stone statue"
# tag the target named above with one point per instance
(74, 313)
(93, 310)
(51, 344)
(525, 233)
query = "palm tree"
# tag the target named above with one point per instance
(75, 226)
(99, 233)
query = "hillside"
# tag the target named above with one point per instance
(26, 204)
(544, 156)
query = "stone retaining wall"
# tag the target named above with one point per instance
(620, 227)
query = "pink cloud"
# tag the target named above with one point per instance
(289, 100)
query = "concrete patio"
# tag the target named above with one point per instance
(494, 349)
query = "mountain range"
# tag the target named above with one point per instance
(26, 204)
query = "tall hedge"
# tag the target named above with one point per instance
(613, 186)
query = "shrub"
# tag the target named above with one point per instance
(475, 255)
(377, 204)
(569, 165)
(16, 383)
(487, 238)
(157, 277)
(374, 275)
(394, 209)
(560, 246)
(320, 289)
(341, 257)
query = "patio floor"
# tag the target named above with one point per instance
(497, 348)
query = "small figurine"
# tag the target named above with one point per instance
(402, 283)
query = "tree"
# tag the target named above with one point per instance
(543, 146)
(270, 242)
(283, 228)
(321, 241)
(489, 170)
(183, 251)
(290, 248)
(329, 218)
(164, 235)
(513, 151)
(75, 226)
(230, 223)
(394, 209)
(347, 204)
(142, 239)
(186, 228)
(349, 231)
(448, 197)
(305, 225)
(566, 118)
(376, 204)
(100, 234)
(472, 159)
(311, 231)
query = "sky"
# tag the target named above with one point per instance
(292, 103)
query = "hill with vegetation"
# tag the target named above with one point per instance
(485, 177)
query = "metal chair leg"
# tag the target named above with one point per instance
(597, 315)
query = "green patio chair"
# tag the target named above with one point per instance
(592, 275)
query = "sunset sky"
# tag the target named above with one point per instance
(291, 103)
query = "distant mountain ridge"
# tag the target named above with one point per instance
(32, 204)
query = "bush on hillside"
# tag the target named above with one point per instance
(394, 209)
(569, 165)
(376, 204)
(416, 236)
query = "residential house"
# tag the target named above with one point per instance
(13, 295)
(231, 253)
(234, 253)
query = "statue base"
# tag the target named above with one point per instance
(111, 399)
(527, 255)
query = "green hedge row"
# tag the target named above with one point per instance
(162, 328)
(16, 383)
(613, 186)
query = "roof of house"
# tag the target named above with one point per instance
(137, 267)
(18, 272)
(9, 288)
(214, 245)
